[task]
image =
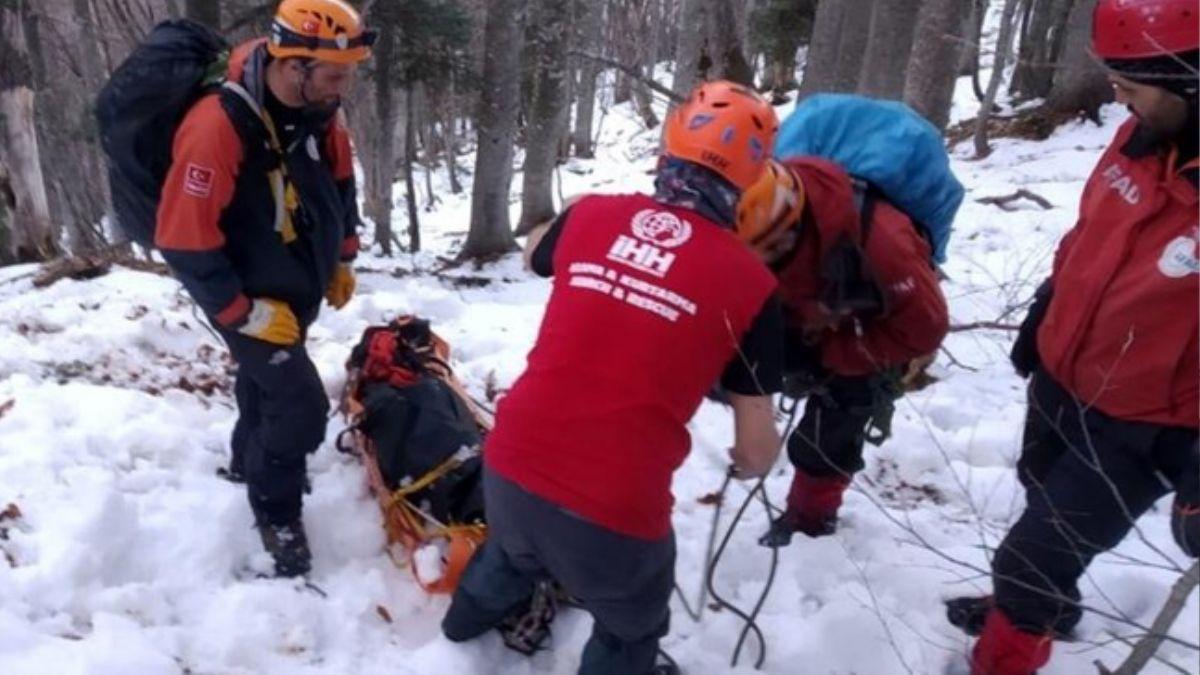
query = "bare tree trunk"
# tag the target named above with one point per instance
(410, 189)
(968, 63)
(590, 26)
(548, 102)
(886, 60)
(933, 64)
(32, 236)
(207, 12)
(490, 232)
(638, 26)
(1041, 44)
(821, 67)
(689, 48)
(1004, 45)
(725, 45)
(380, 157)
(1080, 84)
(852, 44)
(448, 113)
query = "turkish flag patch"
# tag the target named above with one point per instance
(199, 181)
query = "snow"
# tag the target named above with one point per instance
(131, 556)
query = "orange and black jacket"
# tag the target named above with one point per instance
(224, 225)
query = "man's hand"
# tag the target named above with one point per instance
(271, 321)
(341, 286)
(756, 440)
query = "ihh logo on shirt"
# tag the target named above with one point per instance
(657, 230)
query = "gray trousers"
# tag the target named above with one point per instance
(625, 583)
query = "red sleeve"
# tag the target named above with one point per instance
(340, 155)
(338, 150)
(916, 318)
(205, 158)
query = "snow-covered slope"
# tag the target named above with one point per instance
(130, 555)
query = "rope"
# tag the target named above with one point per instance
(711, 558)
(426, 480)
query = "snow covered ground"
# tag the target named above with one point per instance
(128, 553)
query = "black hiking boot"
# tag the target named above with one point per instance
(288, 545)
(969, 613)
(666, 665)
(231, 474)
(783, 527)
(236, 477)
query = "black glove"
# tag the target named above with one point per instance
(1185, 513)
(1024, 354)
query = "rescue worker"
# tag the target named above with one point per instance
(654, 299)
(258, 227)
(1110, 347)
(863, 312)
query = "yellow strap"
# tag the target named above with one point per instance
(424, 481)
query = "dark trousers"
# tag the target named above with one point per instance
(625, 583)
(282, 411)
(1087, 477)
(828, 441)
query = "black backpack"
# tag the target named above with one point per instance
(141, 106)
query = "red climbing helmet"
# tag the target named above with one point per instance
(1138, 29)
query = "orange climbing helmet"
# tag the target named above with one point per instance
(769, 208)
(726, 127)
(325, 30)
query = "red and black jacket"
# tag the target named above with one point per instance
(1120, 332)
(218, 218)
(910, 318)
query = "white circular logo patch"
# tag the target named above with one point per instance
(661, 228)
(1179, 258)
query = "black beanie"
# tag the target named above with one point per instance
(1177, 73)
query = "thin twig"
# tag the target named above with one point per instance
(1005, 200)
(631, 72)
(984, 325)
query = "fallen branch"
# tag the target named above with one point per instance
(984, 325)
(1005, 200)
(956, 362)
(92, 265)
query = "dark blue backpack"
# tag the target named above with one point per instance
(141, 106)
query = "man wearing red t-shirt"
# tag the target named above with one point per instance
(654, 299)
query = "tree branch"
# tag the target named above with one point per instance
(1004, 201)
(1149, 645)
(631, 72)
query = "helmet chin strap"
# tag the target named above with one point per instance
(307, 68)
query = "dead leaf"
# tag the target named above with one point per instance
(383, 613)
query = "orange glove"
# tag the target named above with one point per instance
(341, 286)
(271, 321)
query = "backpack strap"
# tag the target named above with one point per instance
(257, 129)
(865, 197)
